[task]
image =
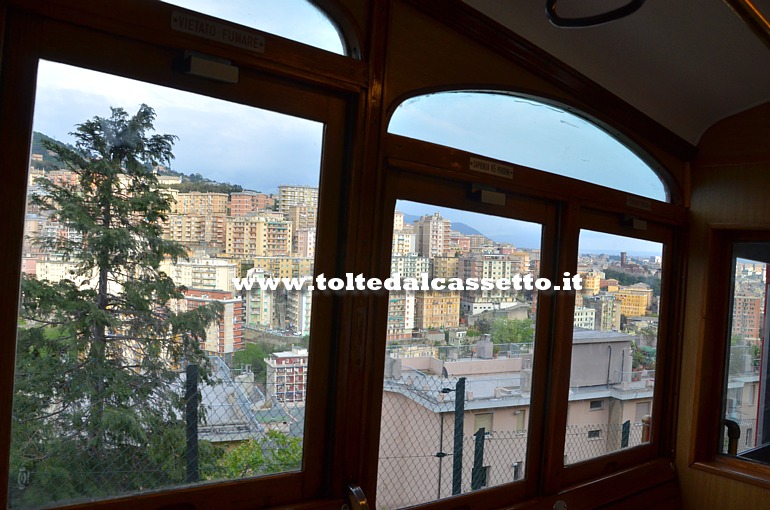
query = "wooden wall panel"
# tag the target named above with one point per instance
(730, 188)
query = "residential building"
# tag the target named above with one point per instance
(437, 309)
(286, 379)
(433, 234)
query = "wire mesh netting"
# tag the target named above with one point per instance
(220, 427)
(434, 444)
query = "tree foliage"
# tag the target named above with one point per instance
(275, 452)
(206, 187)
(97, 400)
(254, 355)
(513, 331)
(626, 279)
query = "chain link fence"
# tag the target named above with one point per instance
(221, 428)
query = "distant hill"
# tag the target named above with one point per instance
(190, 182)
(460, 227)
(49, 161)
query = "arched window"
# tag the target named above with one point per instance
(529, 133)
(299, 20)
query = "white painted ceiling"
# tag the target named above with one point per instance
(684, 63)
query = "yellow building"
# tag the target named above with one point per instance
(591, 283)
(285, 267)
(634, 300)
(437, 309)
(447, 267)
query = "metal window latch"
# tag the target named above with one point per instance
(357, 499)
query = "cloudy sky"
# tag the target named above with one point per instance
(260, 150)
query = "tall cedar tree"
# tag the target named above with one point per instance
(98, 396)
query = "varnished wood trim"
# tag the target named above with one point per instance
(434, 159)
(150, 21)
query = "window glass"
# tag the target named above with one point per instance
(140, 363)
(529, 133)
(458, 367)
(614, 344)
(746, 414)
(299, 20)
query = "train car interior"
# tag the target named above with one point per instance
(611, 156)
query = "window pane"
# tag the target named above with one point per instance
(528, 133)
(129, 267)
(299, 20)
(746, 427)
(614, 343)
(457, 361)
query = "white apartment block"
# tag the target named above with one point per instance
(260, 313)
(304, 242)
(286, 375)
(409, 266)
(292, 195)
(400, 314)
(299, 304)
(585, 317)
(204, 273)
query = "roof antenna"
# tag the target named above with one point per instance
(590, 21)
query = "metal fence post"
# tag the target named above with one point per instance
(457, 461)
(191, 418)
(477, 474)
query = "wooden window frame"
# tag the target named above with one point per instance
(325, 92)
(414, 166)
(709, 392)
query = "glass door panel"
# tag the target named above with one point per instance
(614, 345)
(459, 354)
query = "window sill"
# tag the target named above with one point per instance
(738, 469)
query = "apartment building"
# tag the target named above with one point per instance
(197, 232)
(260, 303)
(747, 315)
(433, 233)
(225, 335)
(243, 203)
(286, 376)
(410, 266)
(202, 273)
(285, 267)
(401, 307)
(200, 204)
(607, 310)
(437, 309)
(295, 195)
(634, 299)
(299, 305)
(258, 236)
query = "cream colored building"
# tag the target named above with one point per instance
(202, 273)
(437, 309)
(285, 267)
(258, 236)
(292, 195)
(433, 234)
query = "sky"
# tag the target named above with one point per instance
(261, 150)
